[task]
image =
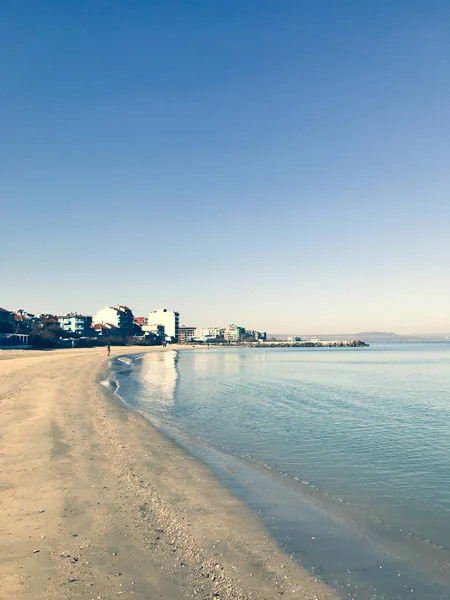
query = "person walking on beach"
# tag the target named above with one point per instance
(109, 349)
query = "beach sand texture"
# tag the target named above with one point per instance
(96, 503)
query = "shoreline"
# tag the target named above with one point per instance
(100, 503)
(293, 511)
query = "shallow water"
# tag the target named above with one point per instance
(344, 453)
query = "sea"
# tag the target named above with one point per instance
(342, 453)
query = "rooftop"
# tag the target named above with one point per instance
(100, 326)
(121, 308)
(140, 320)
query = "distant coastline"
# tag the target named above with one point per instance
(368, 336)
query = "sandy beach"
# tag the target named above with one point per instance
(96, 503)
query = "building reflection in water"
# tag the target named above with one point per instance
(158, 378)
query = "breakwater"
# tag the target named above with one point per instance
(308, 344)
(302, 344)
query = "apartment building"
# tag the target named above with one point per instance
(234, 333)
(186, 334)
(75, 323)
(168, 318)
(207, 334)
(120, 316)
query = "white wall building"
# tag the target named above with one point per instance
(206, 334)
(119, 316)
(75, 323)
(260, 336)
(156, 329)
(168, 318)
(234, 333)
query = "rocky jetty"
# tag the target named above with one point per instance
(307, 344)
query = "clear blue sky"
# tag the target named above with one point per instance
(282, 165)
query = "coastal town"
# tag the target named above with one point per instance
(117, 326)
(112, 325)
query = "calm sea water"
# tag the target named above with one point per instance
(344, 453)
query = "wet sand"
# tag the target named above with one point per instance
(96, 503)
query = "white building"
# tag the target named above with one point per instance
(234, 333)
(156, 329)
(207, 334)
(75, 323)
(119, 316)
(260, 336)
(168, 318)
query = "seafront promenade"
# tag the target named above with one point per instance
(98, 504)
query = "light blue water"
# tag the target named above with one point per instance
(350, 445)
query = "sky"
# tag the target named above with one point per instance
(279, 165)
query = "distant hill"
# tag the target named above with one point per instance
(368, 336)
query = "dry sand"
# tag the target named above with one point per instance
(96, 503)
